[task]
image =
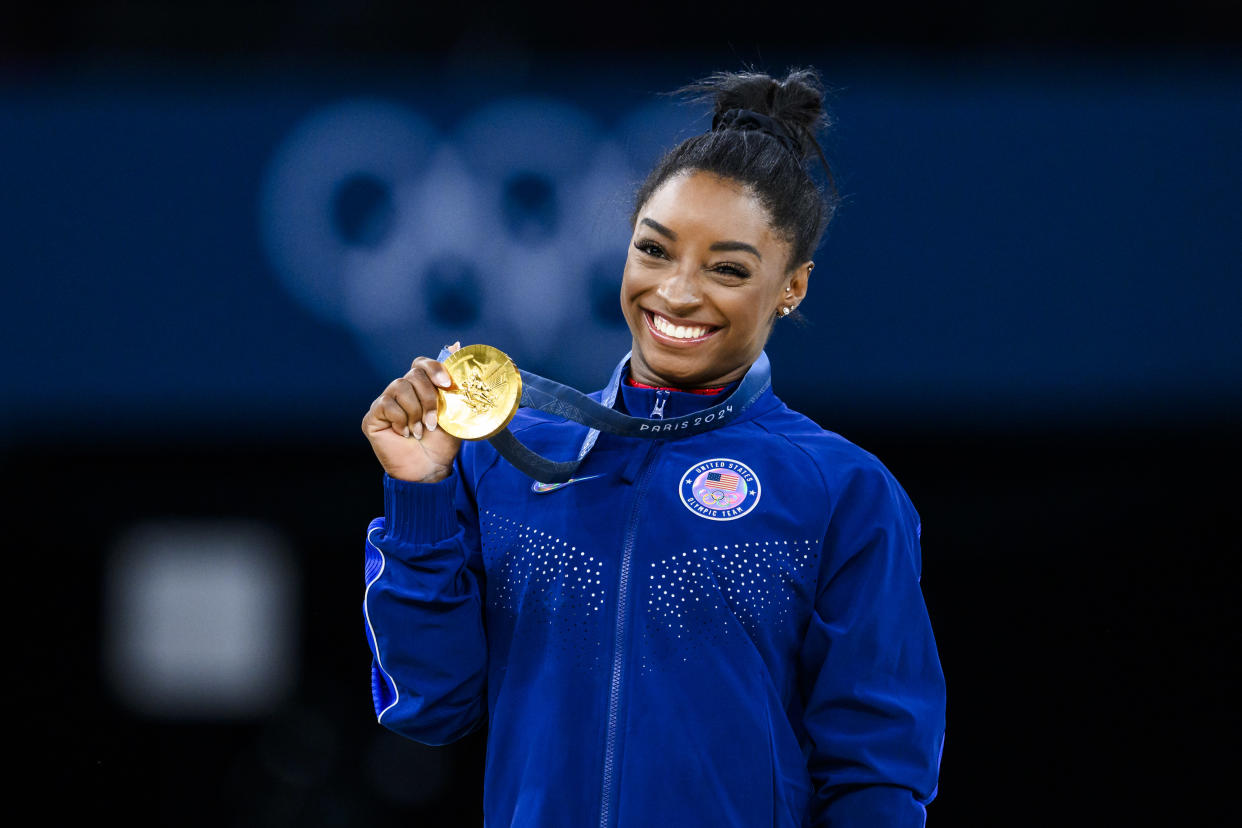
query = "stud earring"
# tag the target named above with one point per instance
(785, 311)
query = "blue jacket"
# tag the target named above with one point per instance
(720, 630)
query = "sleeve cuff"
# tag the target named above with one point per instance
(420, 512)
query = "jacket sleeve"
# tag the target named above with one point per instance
(423, 609)
(871, 681)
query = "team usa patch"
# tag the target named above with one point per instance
(719, 489)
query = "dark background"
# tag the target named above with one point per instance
(1037, 330)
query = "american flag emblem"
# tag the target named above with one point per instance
(724, 480)
(719, 489)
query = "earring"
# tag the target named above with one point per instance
(785, 311)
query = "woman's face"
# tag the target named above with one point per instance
(704, 280)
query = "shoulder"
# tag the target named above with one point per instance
(836, 456)
(849, 471)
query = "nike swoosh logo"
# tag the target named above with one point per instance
(544, 488)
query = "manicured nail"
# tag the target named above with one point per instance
(418, 431)
(443, 381)
(430, 419)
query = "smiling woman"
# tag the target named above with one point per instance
(714, 628)
(703, 282)
(724, 229)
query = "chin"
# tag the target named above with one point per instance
(682, 373)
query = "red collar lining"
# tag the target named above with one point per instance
(705, 391)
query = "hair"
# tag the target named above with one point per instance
(775, 167)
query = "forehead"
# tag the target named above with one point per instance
(719, 209)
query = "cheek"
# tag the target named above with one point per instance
(633, 282)
(631, 289)
(627, 287)
(753, 316)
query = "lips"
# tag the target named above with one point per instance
(677, 332)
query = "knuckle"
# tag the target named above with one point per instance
(420, 382)
(426, 366)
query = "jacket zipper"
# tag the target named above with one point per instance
(662, 396)
(623, 588)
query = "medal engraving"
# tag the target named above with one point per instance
(486, 391)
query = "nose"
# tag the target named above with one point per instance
(680, 291)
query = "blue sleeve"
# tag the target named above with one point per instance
(871, 680)
(424, 611)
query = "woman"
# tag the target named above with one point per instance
(722, 629)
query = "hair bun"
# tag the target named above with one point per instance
(796, 103)
(749, 119)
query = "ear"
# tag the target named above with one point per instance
(796, 281)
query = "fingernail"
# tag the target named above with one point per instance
(407, 431)
(430, 419)
(443, 381)
(418, 431)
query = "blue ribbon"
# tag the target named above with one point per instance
(562, 401)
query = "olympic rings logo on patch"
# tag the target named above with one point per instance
(719, 489)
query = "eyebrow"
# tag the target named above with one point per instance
(719, 246)
(659, 228)
(736, 245)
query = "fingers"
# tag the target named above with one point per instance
(402, 419)
(408, 404)
(433, 369)
(419, 388)
(417, 398)
(386, 413)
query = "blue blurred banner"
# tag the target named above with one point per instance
(1020, 243)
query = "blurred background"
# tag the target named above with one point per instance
(225, 227)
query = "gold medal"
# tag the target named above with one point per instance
(486, 392)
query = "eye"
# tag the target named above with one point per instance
(651, 248)
(730, 269)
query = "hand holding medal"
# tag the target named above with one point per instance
(401, 425)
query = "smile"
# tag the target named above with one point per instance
(666, 330)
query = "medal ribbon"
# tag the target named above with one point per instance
(562, 401)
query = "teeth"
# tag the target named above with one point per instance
(677, 331)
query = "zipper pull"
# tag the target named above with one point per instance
(662, 396)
